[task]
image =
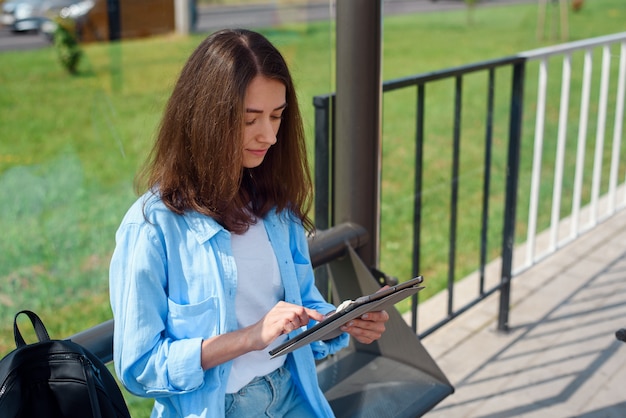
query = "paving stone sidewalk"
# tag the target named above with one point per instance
(561, 357)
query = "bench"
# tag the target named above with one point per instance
(392, 377)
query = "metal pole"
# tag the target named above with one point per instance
(358, 119)
(114, 19)
(508, 233)
(182, 16)
(323, 155)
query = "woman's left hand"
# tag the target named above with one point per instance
(368, 328)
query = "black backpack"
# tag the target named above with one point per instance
(56, 379)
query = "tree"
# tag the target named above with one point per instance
(471, 4)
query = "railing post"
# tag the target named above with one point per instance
(114, 19)
(512, 175)
(323, 160)
(324, 138)
(417, 202)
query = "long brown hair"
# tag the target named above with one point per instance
(196, 162)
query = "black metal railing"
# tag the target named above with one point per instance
(517, 67)
(324, 173)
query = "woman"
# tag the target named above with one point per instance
(211, 267)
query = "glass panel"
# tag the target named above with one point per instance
(70, 145)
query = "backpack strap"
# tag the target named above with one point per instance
(40, 329)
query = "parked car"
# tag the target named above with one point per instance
(19, 14)
(35, 15)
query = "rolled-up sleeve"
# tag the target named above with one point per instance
(147, 360)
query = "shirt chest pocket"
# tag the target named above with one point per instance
(195, 320)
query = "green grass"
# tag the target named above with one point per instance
(447, 41)
(70, 146)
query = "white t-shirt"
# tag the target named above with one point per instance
(259, 288)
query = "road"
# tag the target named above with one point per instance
(211, 18)
(20, 41)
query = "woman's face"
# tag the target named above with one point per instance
(263, 109)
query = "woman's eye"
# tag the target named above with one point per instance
(250, 122)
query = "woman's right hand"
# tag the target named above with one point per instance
(281, 319)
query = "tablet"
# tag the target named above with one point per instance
(331, 326)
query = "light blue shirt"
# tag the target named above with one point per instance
(173, 282)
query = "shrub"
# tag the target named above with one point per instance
(66, 44)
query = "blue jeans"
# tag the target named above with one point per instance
(273, 395)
